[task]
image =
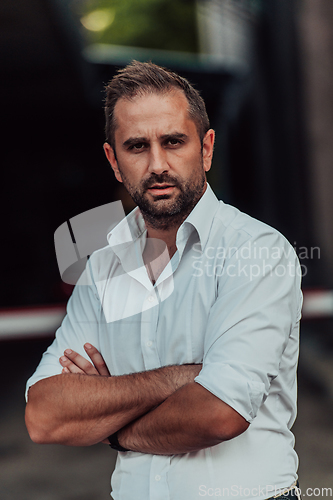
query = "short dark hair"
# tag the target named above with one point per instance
(140, 78)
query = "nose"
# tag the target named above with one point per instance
(157, 160)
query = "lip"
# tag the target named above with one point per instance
(161, 189)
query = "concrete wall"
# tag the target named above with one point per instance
(316, 37)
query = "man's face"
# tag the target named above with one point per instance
(159, 157)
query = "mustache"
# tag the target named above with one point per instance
(159, 179)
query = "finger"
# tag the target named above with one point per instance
(69, 366)
(81, 362)
(97, 359)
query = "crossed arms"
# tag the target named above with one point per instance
(161, 411)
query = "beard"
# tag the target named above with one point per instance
(165, 210)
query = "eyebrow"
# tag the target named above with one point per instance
(135, 140)
(175, 135)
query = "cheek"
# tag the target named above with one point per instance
(133, 165)
(183, 160)
(132, 176)
(194, 163)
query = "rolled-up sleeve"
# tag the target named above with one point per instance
(79, 326)
(257, 307)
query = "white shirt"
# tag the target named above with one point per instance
(230, 298)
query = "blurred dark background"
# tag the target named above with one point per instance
(264, 68)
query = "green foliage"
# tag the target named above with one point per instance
(158, 24)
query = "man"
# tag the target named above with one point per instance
(182, 350)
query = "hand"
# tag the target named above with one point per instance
(72, 362)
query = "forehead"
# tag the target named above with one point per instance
(153, 113)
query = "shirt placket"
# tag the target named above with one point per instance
(149, 321)
(159, 489)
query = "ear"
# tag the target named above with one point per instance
(109, 153)
(207, 149)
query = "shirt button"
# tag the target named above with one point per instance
(157, 477)
(149, 343)
(151, 298)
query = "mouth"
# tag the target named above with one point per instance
(159, 189)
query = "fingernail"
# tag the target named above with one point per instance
(63, 359)
(68, 351)
(88, 346)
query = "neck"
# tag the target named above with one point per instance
(167, 235)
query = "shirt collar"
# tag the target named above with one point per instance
(128, 230)
(201, 218)
(202, 215)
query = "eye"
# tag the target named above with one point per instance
(173, 141)
(139, 146)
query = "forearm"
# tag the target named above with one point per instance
(82, 410)
(189, 420)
